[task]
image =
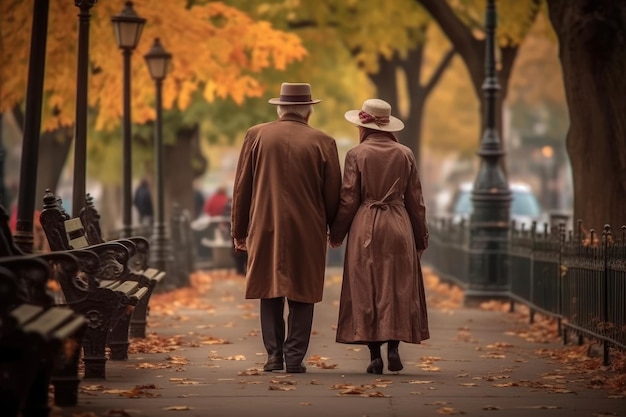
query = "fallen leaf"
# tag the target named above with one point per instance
(92, 388)
(281, 387)
(376, 394)
(235, 358)
(214, 341)
(447, 410)
(250, 372)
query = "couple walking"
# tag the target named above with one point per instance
(289, 203)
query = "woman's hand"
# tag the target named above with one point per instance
(333, 244)
(240, 244)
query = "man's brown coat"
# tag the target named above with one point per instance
(285, 197)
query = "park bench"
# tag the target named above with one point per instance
(139, 248)
(215, 239)
(37, 340)
(102, 291)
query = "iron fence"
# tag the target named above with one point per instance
(577, 278)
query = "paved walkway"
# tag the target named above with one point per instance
(208, 357)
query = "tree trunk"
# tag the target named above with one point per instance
(411, 136)
(183, 164)
(472, 51)
(592, 50)
(386, 81)
(387, 88)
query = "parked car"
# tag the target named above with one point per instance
(525, 207)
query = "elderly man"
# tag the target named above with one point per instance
(285, 197)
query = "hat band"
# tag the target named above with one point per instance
(365, 117)
(295, 99)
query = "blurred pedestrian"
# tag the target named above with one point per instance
(286, 195)
(143, 202)
(382, 212)
(215, 204)
(198, 202)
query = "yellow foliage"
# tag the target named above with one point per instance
(537, 75)
(451, 122)
(215, 47)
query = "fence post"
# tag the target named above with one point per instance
(606, 235)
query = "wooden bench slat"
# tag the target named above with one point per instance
(25, 313)
(128, 287)
(109, 284)
(140, 293)
(48, 321)
(70, 328)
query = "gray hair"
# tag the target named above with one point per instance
(302, 110)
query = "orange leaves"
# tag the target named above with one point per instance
(154, 343)
(441, 295)
(138, 391)
(213, 45)
(320, 362)
(366, 390)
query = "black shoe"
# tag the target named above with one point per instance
(273, 364)
(375, 366)
(393, 357)
(296, 369)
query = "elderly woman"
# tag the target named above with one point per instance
(382, 212)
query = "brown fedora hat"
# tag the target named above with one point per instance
(292, 94)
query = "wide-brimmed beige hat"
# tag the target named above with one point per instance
(375, 114)
(292, 94)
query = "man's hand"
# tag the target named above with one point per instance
(333, 244)
(240, 244)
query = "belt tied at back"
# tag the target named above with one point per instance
(374, 206)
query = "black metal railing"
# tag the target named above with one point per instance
(577, 278)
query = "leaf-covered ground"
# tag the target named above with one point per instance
(167, 350)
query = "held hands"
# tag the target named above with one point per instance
(240, 244)
(333, 244)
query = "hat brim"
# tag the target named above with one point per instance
(395, 124)
(278, 101)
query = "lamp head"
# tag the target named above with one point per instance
(158, 60)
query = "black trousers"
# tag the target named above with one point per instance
(294, 346)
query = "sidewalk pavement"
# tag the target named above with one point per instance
(208, 358)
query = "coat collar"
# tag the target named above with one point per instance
(292, 118)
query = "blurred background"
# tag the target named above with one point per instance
(229, 58)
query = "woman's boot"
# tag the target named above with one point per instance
(376, 364)
(393, 356)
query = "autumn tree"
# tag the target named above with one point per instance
(387, 45)
(463, 24)
(219, 52)
(592, 51)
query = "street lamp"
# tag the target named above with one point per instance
(128, 27)
(491, 195)
(80, 126)
(158, 60)
(32, 127)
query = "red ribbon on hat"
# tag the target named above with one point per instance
(365, 117)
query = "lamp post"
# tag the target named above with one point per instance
(128, 27)
(80, 129)
(489, 223)
(158, 60)
(32, 127)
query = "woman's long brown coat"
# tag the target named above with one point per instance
(382, 211)
(285, 198)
